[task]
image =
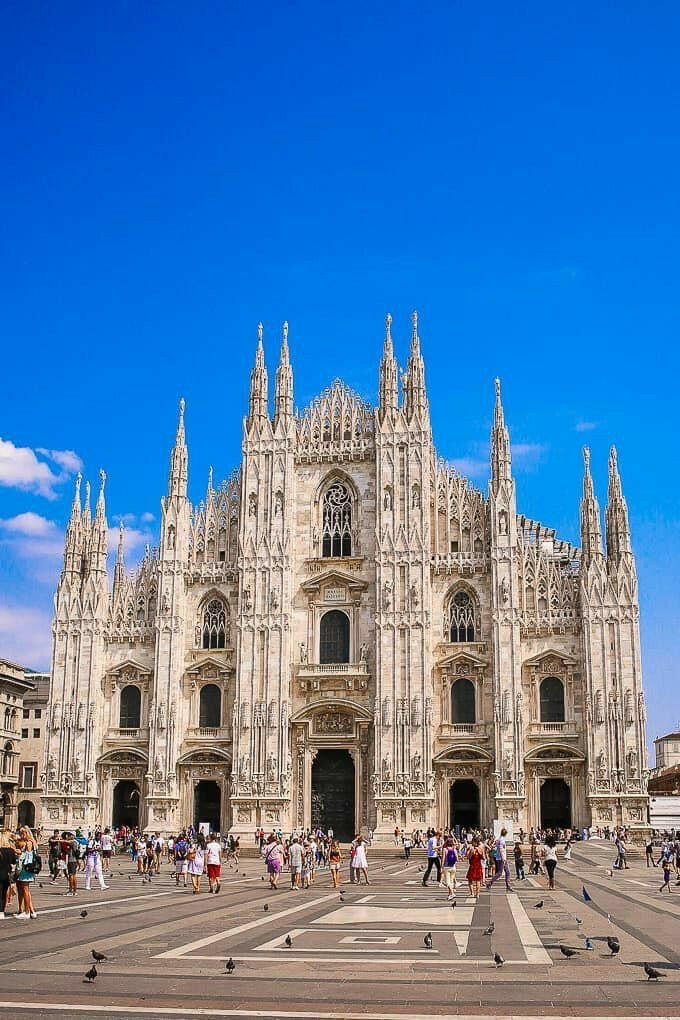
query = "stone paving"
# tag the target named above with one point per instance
(362, 955)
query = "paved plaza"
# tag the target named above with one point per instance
(359, 953)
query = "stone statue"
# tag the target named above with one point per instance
(161, 716)
(271, 766)
(247, 600)
(417, 765)
(503, 523)
(387, 502)
(303, 654)
(505, 591)
(363, 652)
(602, 764)
(387, 595)
(387, 767)
(414, 595)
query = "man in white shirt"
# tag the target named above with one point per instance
(213, 862)
(433, 856)
(295, 858)
(502, 867)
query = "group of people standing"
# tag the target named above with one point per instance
(20, 863)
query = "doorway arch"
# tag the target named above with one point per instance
(555, 804)
(464, 804)
(207, 799)
(333, 802)
(126, 804)
(26, 813)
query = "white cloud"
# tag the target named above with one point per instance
(585, 426)
(526, 456)
(147, 517)
(26, 635)
(28, 524)
(471, 467)
(67, 460)
(20, 468)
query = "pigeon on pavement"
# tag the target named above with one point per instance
(489, 930)
(539, 904)
(98, 957)
(231, 966)
(579, 921)
(91, 974)
(498, 959)
(614, 945)
(288, 940)
(266, 907)
(427, 941)
(566, 951)
(587, 898)
(652, 973)
(83, 913)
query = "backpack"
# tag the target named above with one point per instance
(35, 866)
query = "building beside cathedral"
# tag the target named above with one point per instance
(347, 632)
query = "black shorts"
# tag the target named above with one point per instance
(72, 868)
(550, 868)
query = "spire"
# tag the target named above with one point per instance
(210, 481)
(73, 543)
(501, 462)
(388, 385)
(591, 535)
(415, 397)
(87, 515)
(75, 509)
(177, 481)
(101, 506)
(98, 538)
(616, 514)
(258, 407)
(119, 569)
(283, 395)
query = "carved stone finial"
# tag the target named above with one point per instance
(260, 332)
(87, 497)
(210, 478)
(586, 457)
(284, 332)
(613, 457)
(497, 386)
(414, 323)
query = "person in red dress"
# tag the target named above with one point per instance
(475, 874)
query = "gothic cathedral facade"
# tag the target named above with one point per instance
(348, 633)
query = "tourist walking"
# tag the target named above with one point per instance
(433, 856)
(196, 863)
(107, 850)
(550, 859)
(334, 861)
(181, 862)
(450, 859)
(26, 864)
(502, 867)
(667, 872)
(361, 861)
(295, 860)
(213, 863)
(475, 872)
(519, 862)
(93, 864)
(273, 857)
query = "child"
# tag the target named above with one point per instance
(519, 862)
(666, 865)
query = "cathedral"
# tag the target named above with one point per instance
(347, 633)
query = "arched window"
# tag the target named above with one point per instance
(552, 700)
(210, 706)
(459, 620)
(8, 719)
(7, 759)
(334, 637)
(463, 701)
(130, 707)
(337, 521)
(214, 629)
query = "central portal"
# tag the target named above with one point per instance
(464, 797)
(333, 793)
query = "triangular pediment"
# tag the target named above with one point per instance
(551, 653)
(130, 665)
(461, 658)
(208, 662)
(334, 577)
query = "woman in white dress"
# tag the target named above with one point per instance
(360, 863)
(196, 862)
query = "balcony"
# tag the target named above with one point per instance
(201, 733)
(127, 733)
(463, 731)
(552, 729)
(336, 676)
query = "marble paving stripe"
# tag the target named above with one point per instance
(529, 936)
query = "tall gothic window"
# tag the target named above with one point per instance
(552, 700)
(337, 521)
(210, 706)
(463, 701)
(214, 628)
(334, 637)
(459, 620)
(130, 707)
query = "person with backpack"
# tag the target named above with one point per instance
(93, 863)
(181, 861)
(449, 861)
(28, 865)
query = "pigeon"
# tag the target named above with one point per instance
(98, 957)
(539, 904)
(566, 951)
(91, 974)
(589, 943)
(427, 941)
(231, 966)
(40, 884)
(614, 945)
(342, 898)
(489, 930)
(652, 973)
(288, 940)
(579, 920)
(498, 959)
(587, 898)
(266, 907)
(453, 905)
(263, 878)
(83, 913)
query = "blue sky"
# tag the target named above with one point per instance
(169, 178)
